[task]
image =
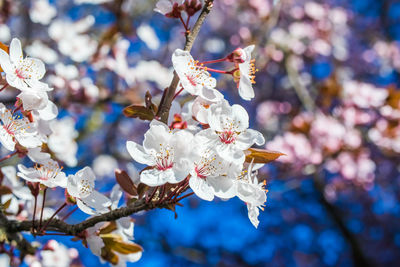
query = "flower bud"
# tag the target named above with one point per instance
(238, 56)
(192, 7)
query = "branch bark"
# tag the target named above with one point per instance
(13, 226)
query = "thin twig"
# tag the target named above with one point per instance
(165, 105)
(41, 212)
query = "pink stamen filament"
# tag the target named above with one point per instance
(217, 71)
(213, 61)
(227, 137)
(200, 172)
(180, 91)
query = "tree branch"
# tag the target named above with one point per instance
(165, 105)
(13, 226)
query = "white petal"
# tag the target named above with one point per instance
(34, 67)
(223, 186)
(253, 213)
(6, 140)
(83, 207)
(33, 100)
(138, 154)
(201, 188)
(98, 201)
(16, 51)
(95, 244)
(248, 138)
(50, 112)
(211, 94)
(155, 177)
(5, 62)
(72, 186)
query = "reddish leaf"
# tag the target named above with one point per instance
(261, 155)
(4, 190)
(139, 112)
(125, 182)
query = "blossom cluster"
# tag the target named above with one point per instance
(31, 129)
(205, 145)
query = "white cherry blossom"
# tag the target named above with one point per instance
(251, 191)
(61, 141)
(49, 174)
(81, 186)
(248, 189)
(165, 151)
(40, 102)
(42, 12)
(200, 109)
(14, 129)
(94, 241)
(194, 78)
(36, 155)
(11, 179)
(229, 133)
(209, 173)
(245, 75)
(23, 74)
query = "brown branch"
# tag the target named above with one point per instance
(15, 238)
(12, 226)
(165, 105)
(359, 258)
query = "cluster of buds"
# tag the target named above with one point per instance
(174, 9)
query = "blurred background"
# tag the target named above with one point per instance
(327, 95)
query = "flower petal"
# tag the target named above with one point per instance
(201, 188)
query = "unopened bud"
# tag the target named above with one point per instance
(176, 11)
(238, 56)
(192, 7)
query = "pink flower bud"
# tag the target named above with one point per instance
(238, 56)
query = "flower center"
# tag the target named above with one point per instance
(20, 74)
(48, 172)
(192, 79)
(85, 188)
(165, 158)
(228, 137)
(13, 125)
(205, 167)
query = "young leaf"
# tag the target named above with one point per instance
(261, 155)
(4, 190)
(140, 112)
(125, 182)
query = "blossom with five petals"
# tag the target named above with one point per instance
(22, 73)
(16, 130)
(194, 78)
(81, 186)
(229, 133)
(49, 174)
(165, 151)
(209, 172)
